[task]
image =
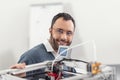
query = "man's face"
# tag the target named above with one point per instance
(61, 33)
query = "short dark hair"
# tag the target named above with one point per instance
(65, 16)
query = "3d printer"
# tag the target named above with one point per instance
(55, 70)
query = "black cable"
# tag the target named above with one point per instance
(65, 59)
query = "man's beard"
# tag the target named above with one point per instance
(54, 43)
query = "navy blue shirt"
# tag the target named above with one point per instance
(36, 55)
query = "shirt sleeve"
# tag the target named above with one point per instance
(25, 59)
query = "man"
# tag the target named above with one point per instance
(61, 33)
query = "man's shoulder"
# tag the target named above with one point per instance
(39, 47)
(36, 50)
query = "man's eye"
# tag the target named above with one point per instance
(60, 30)
(69, 33)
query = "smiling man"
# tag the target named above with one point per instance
(61, 33)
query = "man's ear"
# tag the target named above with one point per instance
(50, 30)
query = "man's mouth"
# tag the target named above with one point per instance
(62, 43)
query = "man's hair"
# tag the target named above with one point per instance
(65, 16)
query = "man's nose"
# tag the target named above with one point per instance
(63, 36)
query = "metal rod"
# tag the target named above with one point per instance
(26, 69)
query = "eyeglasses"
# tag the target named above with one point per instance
(61, 31)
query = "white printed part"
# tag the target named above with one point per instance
(80, 67)
(7, 71)
(63, 52)
(10, 77)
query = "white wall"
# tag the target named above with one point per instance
(97, 20)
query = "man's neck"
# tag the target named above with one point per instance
(52, 46)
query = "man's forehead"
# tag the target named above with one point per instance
(61, 23)
(62, 20)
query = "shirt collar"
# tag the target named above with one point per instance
(48, 46)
